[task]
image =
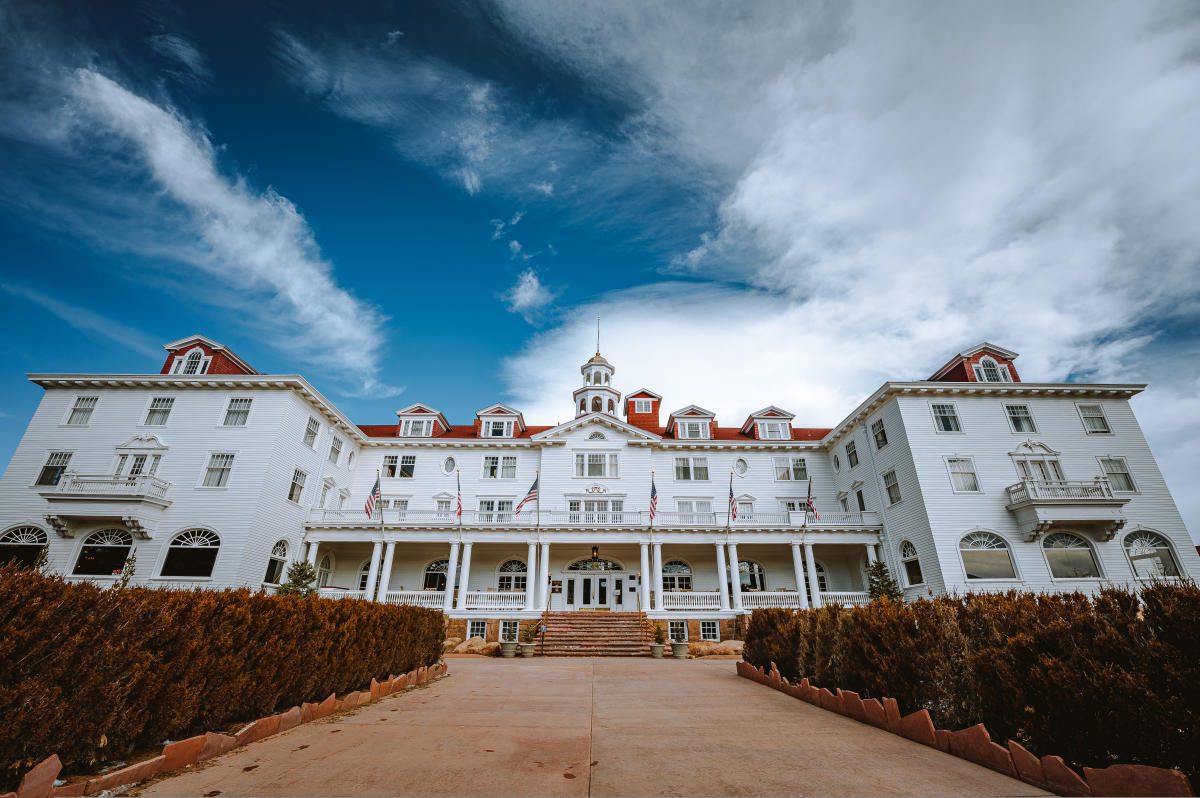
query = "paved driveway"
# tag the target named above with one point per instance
(588, 727)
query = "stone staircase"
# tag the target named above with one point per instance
(595, 634)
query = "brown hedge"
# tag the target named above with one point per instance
(1113, 678)
(93, 673)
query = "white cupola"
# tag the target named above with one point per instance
(597, 394)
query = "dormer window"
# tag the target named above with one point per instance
(498, 428)
(691, 429)
(194, 362)
(643, 405)
(773, 431)
(988, 370)
(416, 428)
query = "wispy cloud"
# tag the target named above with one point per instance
(87, 321)
(501, 228)
(528, 296)
(181, 51)
(514, 247)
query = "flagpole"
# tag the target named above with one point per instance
(652, 488)
(381, 529)
(538, 523)
(729, 504)
(458, 498)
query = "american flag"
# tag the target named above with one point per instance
(812, 508)
(458, 508)
(531, 496)
(653, 499)
(732, 503)
(374, 497)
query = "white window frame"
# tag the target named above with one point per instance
(895, 483)
(407, 426)
(394, 464)
(701, 428)
(315, 430)
(509, 631)
(937, 427)
(1101, 574)
(671, 625)
(476, 624)
(837, 463)
(878, 428)
(1001, 370)
(765, 428)
(694, 509)
(790, 465)
(1103, 415)
(66, 467)
(303, 475)
(1008, 547)
(150, 407)
(715, 635)
(643, 405)
(229, 408)
(950, 474)
(611, 463)
(1012, 426)
(335, 449)
(504, 462)
(499, 509)
(208, 464)
(506, 427)
(691, 468)
(409, 460)
(851, 450)
(1107, 475)
(179, 365)
(75, 400)
(905, 559)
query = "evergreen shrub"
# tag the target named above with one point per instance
(1101, 680)
(93, 673)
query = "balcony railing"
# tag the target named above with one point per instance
(689, 600)
(494, 600)
(1035, 490)
(568, 518)
(781, 598)
(433, 599)
(847, 599)
(339, 593)
(109, 487)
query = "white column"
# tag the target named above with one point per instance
(798, 566)
(735, 577)
(645, 579)
(312, 553)
(385, 575)
(657, 581)
(466, 575)
(451, 572)
(543, 576)
(722, 576)
(871, 554)
(531, 570)
(814, 587)
(373, 571)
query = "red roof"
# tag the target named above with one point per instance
(465, 431)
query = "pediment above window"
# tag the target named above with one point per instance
(143, 443)
(1032, 448)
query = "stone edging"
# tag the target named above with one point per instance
(39, 782)
(976, 745)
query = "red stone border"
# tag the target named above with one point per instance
(39, 782)
(976, 745)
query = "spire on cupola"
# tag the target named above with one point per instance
(597, 394)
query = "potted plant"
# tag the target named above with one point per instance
(528, 635)
(679, 649)
(508, 648)
(660, 640)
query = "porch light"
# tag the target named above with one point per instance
(595, 551)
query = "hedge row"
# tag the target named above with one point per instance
(1108, 679)
(93, 673)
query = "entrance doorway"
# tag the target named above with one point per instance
(594, 584)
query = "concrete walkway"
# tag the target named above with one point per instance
(588, 727)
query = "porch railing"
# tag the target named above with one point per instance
(847, 599)
(551, 518)
(338, 593)
(1059, 490)
(688, 600)
(789, 600)
(495, 600)
(433, 599)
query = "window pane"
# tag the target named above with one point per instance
(783, 469)
(683, 468)
(912, 569)
(1072, 563)
(799, 469)
(988, 564)
(700, 468)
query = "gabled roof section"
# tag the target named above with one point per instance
(958, 368)
(1008, 354)
(640, 393)
(603, 419)
(440, 426)
(768, 413)
(204, 341)
(501, 411)
(693, 411)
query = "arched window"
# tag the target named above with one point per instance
(435, 575)
(1070, 557)
(22, 545)
(598, 564)
(192, 553)
(988, 370)
(104, 553)
(192, 364)
(511, 575)
(583, 405)
(1149, 554)
(596, 436)
(912, 565)
(324, 571)
(677, 575)
(986, 556)
(276, 563)
(597, 404)
(612, 408)
(752, 575)
(364, 571)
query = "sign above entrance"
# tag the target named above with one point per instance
(595, 489)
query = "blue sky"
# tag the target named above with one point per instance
(768, 203)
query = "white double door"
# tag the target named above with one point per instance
(595, 591)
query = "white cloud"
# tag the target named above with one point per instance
(88, 321)
(185, 54)
(501, 228)
(514, 246)
(544, 187)
(528, 296)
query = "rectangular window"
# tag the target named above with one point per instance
(498, 429)
(508, 630)
(710, 631)
(691, 468)
(476, 628)
(880, 434)
(416, 428)
(596, 464)
(945, 418)
(325, 494)
(862, 503)
(495, 510)
(1118, 473)
(691, 429)
(55, 467)
(81, 413)
(297, 487)
(1093, 419)
(962, 475)
(774, 431)
(695, 511)
(790, 468)
(745, 511)
(1019, 418)
(851, 454)
(238, 411)
(496, 467)
(160, 411)
(677, 631)
(389, 465)
(217, 473)
(408, 466)
(335, 450)
(443, 509)
(401, 505)
(643, 405)
(893, 488)
(845, 502)
(310, 432)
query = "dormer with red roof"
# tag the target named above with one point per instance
(769, 424)
(641, 409)
(420, 421)
(691, 422)
(200, 355)
(983, 363)
(499, 421)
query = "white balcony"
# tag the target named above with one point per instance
(1042, 505)
(339, 593)
(783, 599)
(109, 488)
(433, 599)
(689, 600)
(495, 600)
(847, 598)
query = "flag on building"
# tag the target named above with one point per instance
(732, 503)
(531, 496)
(812, 508)
(458, 508)
(653, 499)
(374, 497)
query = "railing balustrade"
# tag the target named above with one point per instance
(583, 518)
(433, 599)
(1059, 490)
(782, 599)
(495, 600)
(847, 599)
(338, 593)
(688, 600)
(112, 485)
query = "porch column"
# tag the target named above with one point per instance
(544, 576)
(466, 575)
(385, 576)
(531, 570)
(657, 583)
(312, 553)
(451, 572)
(798, 566)
(373, 572)
(871, 554)
(722, 576)
(814, 587)
(735, 577)
(645, 578)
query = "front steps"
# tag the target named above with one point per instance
(595, 634)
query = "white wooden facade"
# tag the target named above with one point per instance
(589, 543)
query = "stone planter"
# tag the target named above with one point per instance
(656, 650)
(508, 648)
(527, 649)
(679, 650)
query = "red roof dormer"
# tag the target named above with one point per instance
(769, 424)
(200, 355)
(499, 421)
(420, 421)
(693, 422)
(983, 363)
(646, 419)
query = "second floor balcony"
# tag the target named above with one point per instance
(145, 488)
(1041, 505)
